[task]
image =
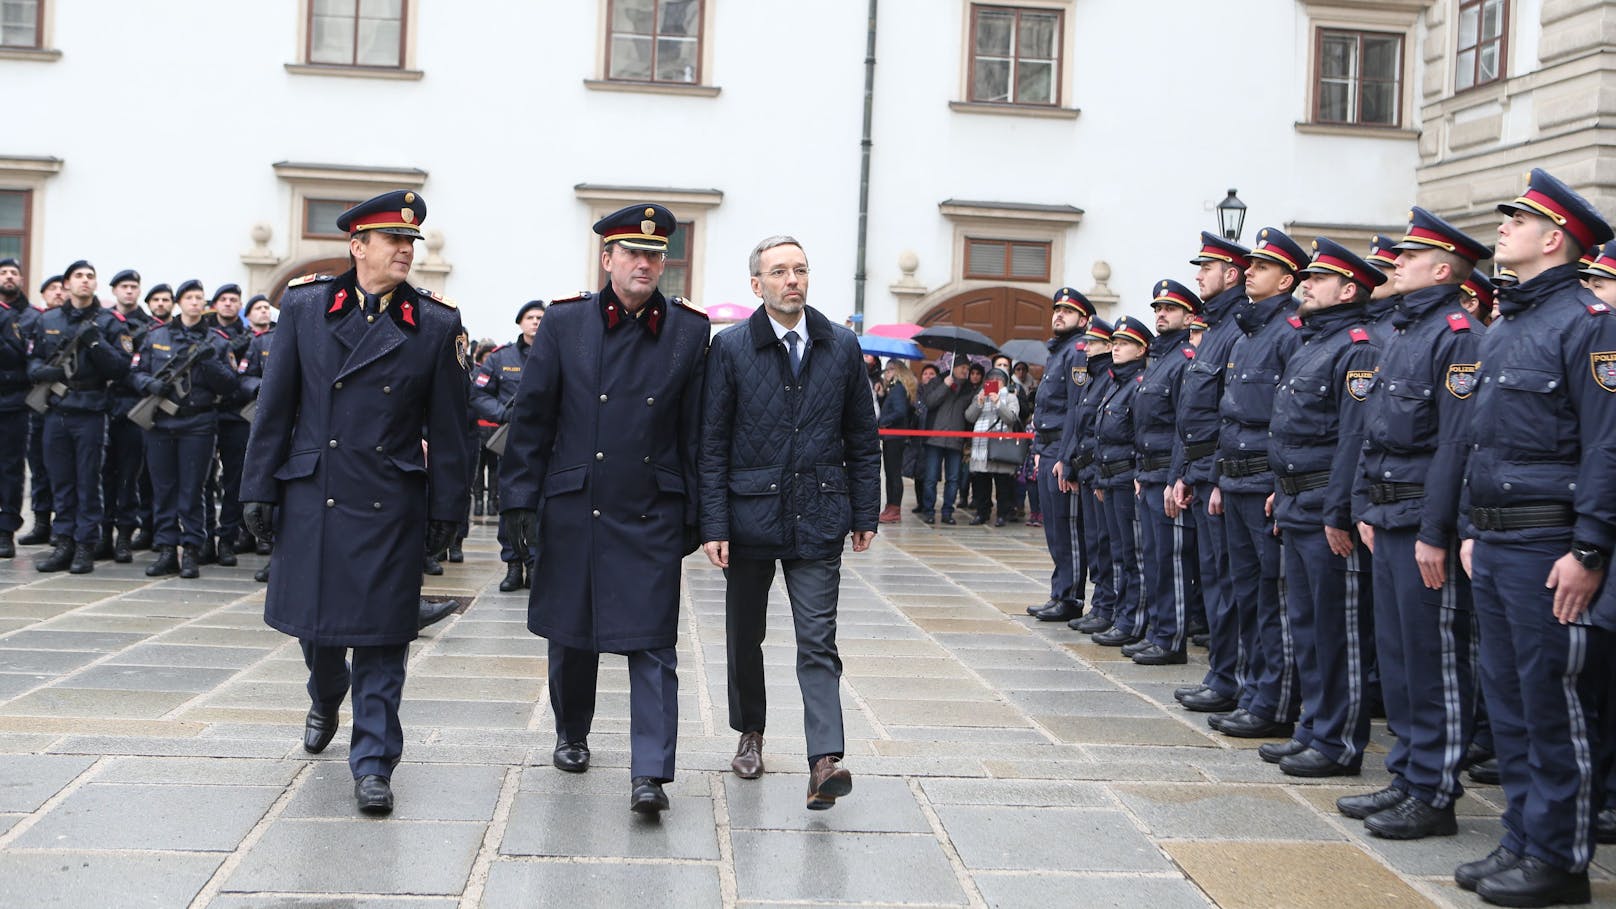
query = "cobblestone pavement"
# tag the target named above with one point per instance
(150, 756)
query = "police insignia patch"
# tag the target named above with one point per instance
(1359, 382)
(1080, 376)
(1604, 367)
(1462, 379)
(127, 345)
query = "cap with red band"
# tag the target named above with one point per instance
(1216, 249)
(1276, 247)
(1547, 197)
(1172, 292)
(1427, 231)
(1383, 251)
(1481, 287)
(1331, 258)
(398, 212)
(646, 227)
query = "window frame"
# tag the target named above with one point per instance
(25, 251)
(1007, 274)
(656, 9)
(333, 234)
(39, 31)
(971, 56)
(403, 40)
(1502, 41)
(1319, 33)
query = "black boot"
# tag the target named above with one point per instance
(1533, 882)
(61, 556)
(8, 544)
(477, 506)
(430, 565)
(188, 560)
(227, 553)
(103, 549)
(122, 551)
(40, 533)
(209, 553)
(261, 547)
(166, 563)
(513, 578)
(83, 559)
(456, 554)
(142, 540)
(262, 575)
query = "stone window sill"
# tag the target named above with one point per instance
(1015, 110)
(354, 72)
(653, 88)
(1366, 132)
(36, 54)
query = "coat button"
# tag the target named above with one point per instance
(596, 512)
(370, 318)
(1508, 487)
(379, 449)
(603, 399)
(646, 459)
(1387, 475)
(772, 486)
(650, 401)
(376, 505)
(339, 385)
(332, 443)
(600, 455)
(387, 389)
(330, 503)
(1392, 386)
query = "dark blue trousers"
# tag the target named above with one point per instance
(1326, 599)
(1424, 641)
(232, 452)
(1548, 688)
(39, 487)
(1127, 561)
(1254, 568)
(377, 679)
(1097, 552)
(120, 476)
(1225, 671)
(653, 703)
(13, 458)
(1063, 534)
(1172, 577)
(941, 463)
(74, 444)
(178, 461)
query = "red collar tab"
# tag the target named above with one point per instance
(1080, 344)
(1598, 308)
(1296, 321)
(1458, 322)
(338, 302)
(1189, 352)
(653, 321)
(1358, 334)
(406, 313)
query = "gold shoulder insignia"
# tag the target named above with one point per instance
(580, 295)
(687, 304)
(307, 279)
(434, 297)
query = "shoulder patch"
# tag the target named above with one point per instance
(1359, 382)
(1461, 381)
(580, 295)
(434, 297)
(1296, 321)
(1080, 345)
(682, 303)
(1080, 376)
(1188, 352)
(1598, 308)
(1604, 367)
(1358, 333)
(308, 279)
(1458, 322)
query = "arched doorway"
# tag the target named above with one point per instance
(335, 266)
(1001, 313)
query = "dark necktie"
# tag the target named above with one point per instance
(791, 346)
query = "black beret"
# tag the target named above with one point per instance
(188, 286)
(159, 289)
(226, 289)
(128, 274)
(81, 263)
(531, 304)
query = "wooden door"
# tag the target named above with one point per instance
(1001, 313)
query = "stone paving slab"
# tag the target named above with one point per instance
(1296, 875)
(112, 881)
(360, 856)
(791, 865)
(604, 885)
(170, 817)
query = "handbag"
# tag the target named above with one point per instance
(1007, 451)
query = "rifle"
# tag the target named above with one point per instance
(144, 413)
(496, 439)
(250, 411)
(66, 359)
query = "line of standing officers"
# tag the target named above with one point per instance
(1371, 483)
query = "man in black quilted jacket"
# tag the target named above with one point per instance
(789, 464)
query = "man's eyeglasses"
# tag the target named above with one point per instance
(779, 274)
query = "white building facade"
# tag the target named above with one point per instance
(1015, 146)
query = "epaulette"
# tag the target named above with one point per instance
(1598, 309)
(1358, 334)
(309, 279)
(433, 296)
(1296, 321)
(1080, 344)
(686, 304)
(1188, 352)
(118, 315)
(498, 349)
(580, 295)
(1458, 322)
(222, 333)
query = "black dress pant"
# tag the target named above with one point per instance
(986, 488)
(892, 469)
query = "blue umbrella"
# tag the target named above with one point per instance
(882, 346)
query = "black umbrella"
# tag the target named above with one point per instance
(956, 340)
(1022, 350)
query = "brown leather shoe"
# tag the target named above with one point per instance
(827, 783)
(891, 514)
(748, 762)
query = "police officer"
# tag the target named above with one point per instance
(335, 475)
(1317, 432)
(184, 362)
(39, 488)
(225, 315)
(17, 320)
(1221, 279)
(125, 456)
(1065, 375)
(1167, 535)
(81, 348)
(1114, 463)
(1542, 521)
(160, 303)
(1270, 334)
(600, 468)
(1406, 499)
(1078, 447)
(250, 370)
(493, 390)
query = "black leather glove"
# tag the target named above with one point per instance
(259, 518)
(439, 534)
(523, 526)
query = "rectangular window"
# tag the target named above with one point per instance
(654, 41)
(16, 206)
(1481, 43)
(1015, 55)
(20, 22)
(320, 218)
(1006, 260)
(1359, 78)
(357, 33)
(676, 272)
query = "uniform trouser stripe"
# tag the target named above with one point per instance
(1351, 750)
(1288, 684)
(1454, 741)
(1074, 530)
(1181, 587)
(1582, 820)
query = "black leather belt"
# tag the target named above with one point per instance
(1044, 437)
(1083, 460)
(1387, 493)
(1522, 517)
(1155, 462)
(1109, 469)
(86, 385)
(185, 411)
(1298, 483)
(1235, 468)
(1199, 450)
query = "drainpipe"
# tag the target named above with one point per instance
(864, 176)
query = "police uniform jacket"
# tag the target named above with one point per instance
(494, 384)
(1155, 406)
(16, 327)
(1545, 414)
(1066, 370)
(250, 367)
(603, 445)
(103, 355)
(1270, 333)
(1378, 319)
(1114, 428)
(1417, 416)
(1200, 390)
(239, 339)
(1317, 425)
(790, 464)
(1078, 442)
(337, 442)
(126, 394)
(205, 383)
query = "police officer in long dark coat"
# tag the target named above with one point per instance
(1065, 377)
(335, 474)
(602, 458)
(493, 389)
